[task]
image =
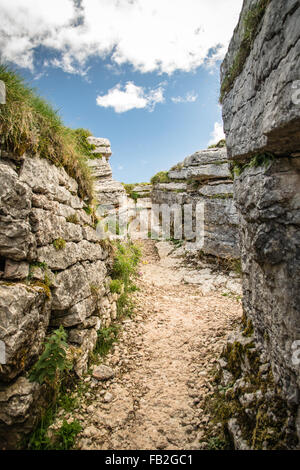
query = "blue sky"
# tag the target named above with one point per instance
(151, 89)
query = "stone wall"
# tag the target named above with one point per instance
(261, 121)
(205, 177)
(53, 271)
(107, 191)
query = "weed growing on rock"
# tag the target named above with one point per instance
(73, 219)
(59, 244)
(261, 159)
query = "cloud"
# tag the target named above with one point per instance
(217, 134)
(153, 36)
(190, 97)
(131, 96)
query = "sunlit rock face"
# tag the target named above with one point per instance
(262, 110)
(107, 190)
(261, 115)
(205, 177)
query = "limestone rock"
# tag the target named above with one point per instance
(15, 196)
(70, 254)
(261, 112)
(24, 318)
(210, 171)
(20, 409)
(76, 284)
(48, 227)
(205, 157)
(103, 373)
(16, 239)
(45, 178)
(102, 145)
(16, 270)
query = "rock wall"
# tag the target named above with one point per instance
(107, 191)
(261, 115)
(53, 271)
(205, 177)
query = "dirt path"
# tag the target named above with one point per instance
(161, 363)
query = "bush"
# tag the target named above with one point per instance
(116, 286)
(161, 177)
(29, 124)
(124, 269)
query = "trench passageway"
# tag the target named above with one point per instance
(161, 363)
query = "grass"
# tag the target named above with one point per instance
(63, 438)
(59, 244)
(220, 144)
(106, 338)
(116, 286)
(73, 219)
(160, 177)
(252, 21)
(261, 159)
(30, 126)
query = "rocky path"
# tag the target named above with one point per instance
(161, 363)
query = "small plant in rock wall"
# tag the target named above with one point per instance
(59, 244)
(52, 363)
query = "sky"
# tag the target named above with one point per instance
(142, 73)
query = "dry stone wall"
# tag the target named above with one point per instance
(261, 121)
(53, 271)
(205, 177)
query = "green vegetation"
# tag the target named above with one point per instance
(29, 124)
(116, 286)
(260, 159)
(106, 338)
(65, 436)
(177, 167)
(160, 177)
(129, 187)
(61, 439)
(53, 363)
(127, 257)
(220, 144)
(252, 21)
(73, 219)
(59, 244)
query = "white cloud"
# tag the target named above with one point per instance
(190, 97)
(217, 134)
(131, 96)
(156, 35)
